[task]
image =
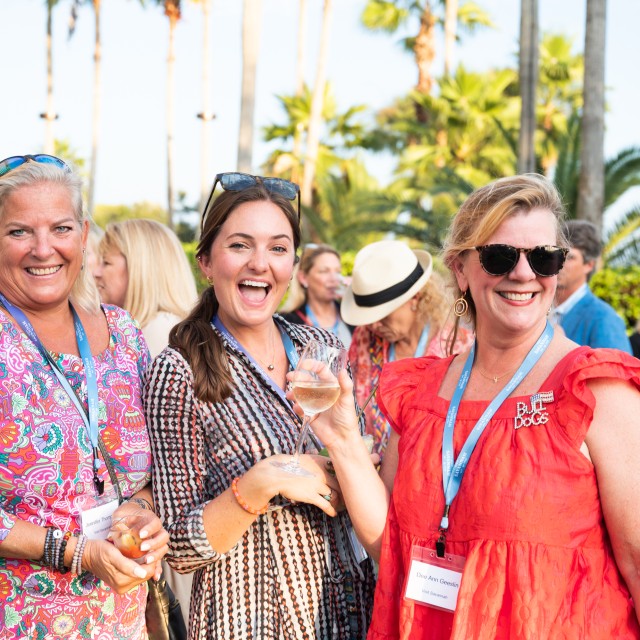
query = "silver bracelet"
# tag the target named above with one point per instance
(76, 562)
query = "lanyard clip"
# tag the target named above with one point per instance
(440, 544)
(97, 463)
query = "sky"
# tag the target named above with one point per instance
(364, 68)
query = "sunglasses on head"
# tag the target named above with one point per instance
(13, 162)
(500, 259)
(234, 181)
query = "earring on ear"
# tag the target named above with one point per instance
(210, 280)
(84, 255)
(461, 306)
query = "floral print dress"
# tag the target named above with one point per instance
(46, 478)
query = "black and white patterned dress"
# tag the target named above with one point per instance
(293, 574)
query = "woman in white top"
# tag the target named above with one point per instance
(144, 269)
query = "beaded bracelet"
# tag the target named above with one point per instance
(243, 504)
(76, 562)
(61, 547)
(49, 547)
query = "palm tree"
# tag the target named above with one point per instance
(528, 84)
(450, 28)
(391, 15)
(591, 187)
(300, 65)
(206, 114)
(315, 116)
(97, 90)
(621, 173)
(173, 12)
(251, 16)
(49, 115)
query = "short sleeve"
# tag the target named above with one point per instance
(576, 402)
(399, 383)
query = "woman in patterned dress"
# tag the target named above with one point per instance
(62, 356)
(218, 415)
(510, 486)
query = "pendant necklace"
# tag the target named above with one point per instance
(272, 366)
(489, 377)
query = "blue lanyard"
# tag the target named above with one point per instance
(91, 421)
(292, 354)
(453, 471)
(422, 343)
(316, 323)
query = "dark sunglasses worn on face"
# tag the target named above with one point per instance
(13, 162)
(500, 259)
(234, 181)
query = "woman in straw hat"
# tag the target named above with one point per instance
(399, 307)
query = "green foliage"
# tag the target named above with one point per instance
(190, 250)
(621, 289)
(106, 213)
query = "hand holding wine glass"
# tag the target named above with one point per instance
(315, 388)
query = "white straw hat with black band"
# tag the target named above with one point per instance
(385, 275)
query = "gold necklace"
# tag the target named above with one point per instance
(490, 377)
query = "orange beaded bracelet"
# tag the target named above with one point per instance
(243, 504)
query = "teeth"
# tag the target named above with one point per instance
(516, 296)
(43, 271)
(254, 283)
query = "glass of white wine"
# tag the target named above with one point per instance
(315, 388)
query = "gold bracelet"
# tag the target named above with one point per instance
(243, 504)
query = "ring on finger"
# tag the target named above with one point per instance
(328, 496)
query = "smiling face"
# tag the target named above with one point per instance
(112, 277)
(250, 263)
(323, 278)
(518, 301)
(41, 243)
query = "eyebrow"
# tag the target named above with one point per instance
(248, 236)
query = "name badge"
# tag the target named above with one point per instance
(96, 522)
(433, 581)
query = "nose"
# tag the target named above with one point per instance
(522, 270)
(258, 261)
(42, 247)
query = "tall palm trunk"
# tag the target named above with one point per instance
(425, 50)
(49, 115)
(97, 90)
(206, 116)
(591, 185)
(317, 101)
(450, 28)
(173, 14)
(252, 10)
(528, 84)
(300, 64)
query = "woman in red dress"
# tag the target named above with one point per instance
(508, 504)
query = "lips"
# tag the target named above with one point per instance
(254, 290)
(43, 271)
(516, 297)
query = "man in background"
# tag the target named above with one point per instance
(585, 318)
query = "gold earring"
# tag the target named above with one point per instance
(210, 280)
(461, 306)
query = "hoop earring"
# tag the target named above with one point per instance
(461, 306)
(210, 280)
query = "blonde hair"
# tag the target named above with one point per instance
(488, 207)
(160, 277)
(84, 293)
(297, 295)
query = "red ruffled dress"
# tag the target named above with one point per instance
(527, 518)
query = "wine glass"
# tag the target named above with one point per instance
(315, 388)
